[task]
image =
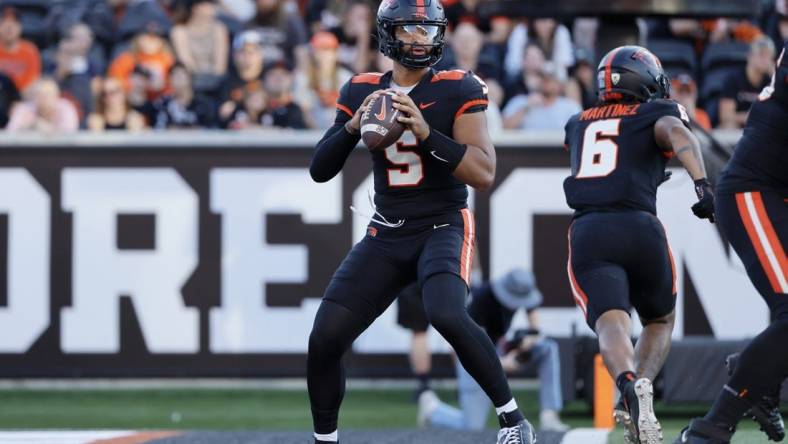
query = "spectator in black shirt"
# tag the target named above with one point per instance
(8, 96)
(281, 111)
(246, 76)
(742, 88)
(283, 33)
(182, 108)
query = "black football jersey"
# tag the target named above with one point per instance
(409, 182)
(760, 159)
(616, 162)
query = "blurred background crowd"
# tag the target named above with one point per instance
(133, 65)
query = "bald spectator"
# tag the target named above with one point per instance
(46, 111)
(684, 91)
(545, 109)
(19, 59)
(741, 88)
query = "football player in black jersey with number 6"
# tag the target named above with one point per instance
(618, 252)
(422, 230)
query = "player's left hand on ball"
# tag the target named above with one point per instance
(704, 208)
(412, 117)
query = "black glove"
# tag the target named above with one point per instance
(704, 208)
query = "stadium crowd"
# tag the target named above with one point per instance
(129, 65)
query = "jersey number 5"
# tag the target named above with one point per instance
(599, 155)
(409, 170)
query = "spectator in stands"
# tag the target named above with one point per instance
(529, 77)
(544, 109)
(45, 111)
(247, 75)
(112, 111)
(74, 64)
(242, 10)
(200, 40)
(149, 53)
(112, 21)
(248, 113)
(356, 46)
(580, 86)
(553, 38)
(742, 87)
(19, 59)
(282, 31)
(181, 107)
(9, 96)
(281, 110)
(317, 88)
(684, 91)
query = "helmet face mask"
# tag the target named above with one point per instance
(631, 73)
(411, 32)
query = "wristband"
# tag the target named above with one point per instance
(443, 148)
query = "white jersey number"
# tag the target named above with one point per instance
(599, 156)
(409, 170)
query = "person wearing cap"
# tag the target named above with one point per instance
(684, 91)
(247, 75)
(149, 53)
(317, 87)
(544, 109)
(19, 59)
(742, 87)
(493, 305)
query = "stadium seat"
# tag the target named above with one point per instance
(724, 54)
(676, 56)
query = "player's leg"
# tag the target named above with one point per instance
(600, 285)
(363, 286)
(756, 225)
(544, 355)
(444, 270)
(411, 315)
(652, 277)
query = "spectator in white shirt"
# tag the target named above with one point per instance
(544, 109)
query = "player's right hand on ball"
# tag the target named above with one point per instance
(704, 208)
(355, 122)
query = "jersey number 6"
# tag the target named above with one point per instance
(599, 155)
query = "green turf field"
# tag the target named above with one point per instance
(261, 409)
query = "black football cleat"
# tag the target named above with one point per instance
(766, 411)
(522, 433)
(702, 431)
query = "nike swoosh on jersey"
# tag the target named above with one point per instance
(438, 157)
(382, 114)
(435, 227)
(425, 105)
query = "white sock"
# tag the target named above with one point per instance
(333, 436)
(506, 408)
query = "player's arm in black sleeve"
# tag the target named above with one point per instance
(336, 145)
(672, 134)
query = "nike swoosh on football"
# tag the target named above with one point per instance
(438, 157)
(382, 114)
(425, 105)
(435, 227)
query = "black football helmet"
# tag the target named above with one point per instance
(423, 17)
(631, 73)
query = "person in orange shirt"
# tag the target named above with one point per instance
(149, 54)
(19, 59)
(684, 91)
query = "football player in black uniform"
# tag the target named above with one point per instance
(618, 252)
(422, 229)
(752, 212)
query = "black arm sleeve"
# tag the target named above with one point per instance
(336, 145)
(332, 152)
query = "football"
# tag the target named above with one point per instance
(379, 125)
